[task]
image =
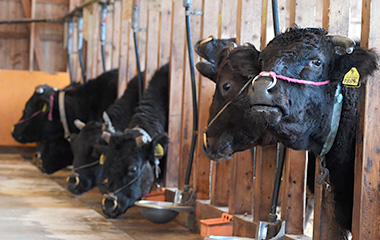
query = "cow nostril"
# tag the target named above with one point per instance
(109, 203)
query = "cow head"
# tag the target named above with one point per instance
(220, 144)
(87, 147)
(269, 110)
(129, 168)
(35, 115)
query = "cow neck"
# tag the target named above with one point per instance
(62, 114)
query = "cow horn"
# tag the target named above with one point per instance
(344, 41)
(79, 124)
(106, 136)
(40, 90)
(108, 121)
(141, 140)
(231, 46)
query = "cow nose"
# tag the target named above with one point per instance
(109, 203)
(73, 181)
(262, 90)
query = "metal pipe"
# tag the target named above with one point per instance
(135, 27)
(276, 24)
(80, 47)
(69, 48)
(45, 20)
(103, 30)
(187, 5)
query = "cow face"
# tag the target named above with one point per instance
(87, 147)
(35, 116)
(129, 169)
(220, 142)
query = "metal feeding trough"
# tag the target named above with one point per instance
(161, 212)
(226, 238)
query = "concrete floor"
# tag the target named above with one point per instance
(38, 206)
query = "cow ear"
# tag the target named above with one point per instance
(366, 61)
(99, 149)
(207, 70)
(156, 149)
(245, 60)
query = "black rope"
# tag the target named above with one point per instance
(194, 95)
(135, 27)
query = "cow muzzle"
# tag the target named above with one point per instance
(73, 181)
(109, 204)
(263, 88)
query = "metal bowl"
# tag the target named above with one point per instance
(211, 237)
(161, 212)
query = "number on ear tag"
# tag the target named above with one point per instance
(351, 78)
(158, 150)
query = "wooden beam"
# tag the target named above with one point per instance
(293, 191)
(116, 34)
(264, 181)
(325, 225)
(124, 27)
(177, 55)
(32, 36)
(209, 26)
(338, 17)
(220, 183)
(366, 212)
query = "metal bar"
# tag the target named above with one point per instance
(80, 47)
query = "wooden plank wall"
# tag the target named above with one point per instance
(239, 186)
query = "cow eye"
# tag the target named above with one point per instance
(132, 169)
(316, 62)
(226, 86)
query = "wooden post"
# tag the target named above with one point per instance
(177, 55)
(206, 88)
(165, 32)
(124, 27)
(325, 225)
(264, 181)
(293, 191)
(32, 35)
(366, 212)
(116, 33)
(221, 171)
(152, 43)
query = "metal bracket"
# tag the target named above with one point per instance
(189, 12)
(262, 231)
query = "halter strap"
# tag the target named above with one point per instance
(335, 119)
(62, 114)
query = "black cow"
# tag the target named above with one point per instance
(293, 103)
(41, 122)
(88, 164)
(132, 155)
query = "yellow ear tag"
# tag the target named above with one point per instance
(44, 108)
(351, 78)
(101, 159)
(158, 150)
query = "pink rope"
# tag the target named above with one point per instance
(294, 80)
(50, 115)
(26, 119)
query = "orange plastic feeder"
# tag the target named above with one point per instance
(217, 226)
(156, 195)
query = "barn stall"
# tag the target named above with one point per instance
(36, 53)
